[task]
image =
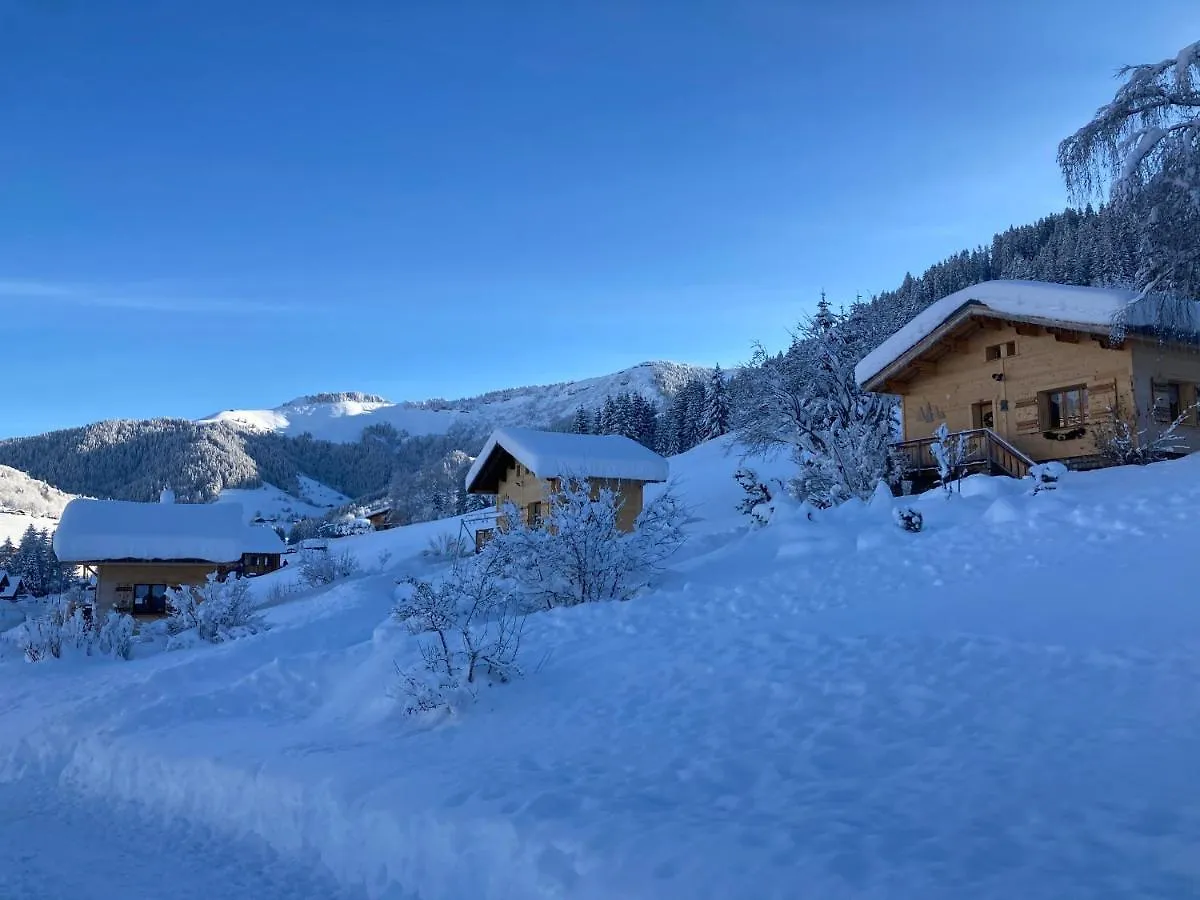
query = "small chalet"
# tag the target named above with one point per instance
(1027, 369)
(378, 516)
(262, 551)
(136, 551)
(12, 587)
(524, 467)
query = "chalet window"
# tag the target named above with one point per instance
(1062, 408)
(1166, 401)
(149, 598)
(533, 514)
(999, 351)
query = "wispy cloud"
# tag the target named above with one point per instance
(18, 290)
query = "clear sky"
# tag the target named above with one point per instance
(210, 204)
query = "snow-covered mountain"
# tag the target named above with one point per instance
(25, 501)
(342, 417)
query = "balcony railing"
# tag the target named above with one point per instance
(985, 451)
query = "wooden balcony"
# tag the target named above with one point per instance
(986, 452)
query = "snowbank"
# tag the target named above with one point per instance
(826, 705)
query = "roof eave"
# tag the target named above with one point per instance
(969, 310)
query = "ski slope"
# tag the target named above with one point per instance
(1000, 706)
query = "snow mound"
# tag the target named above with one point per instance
(1001, 512)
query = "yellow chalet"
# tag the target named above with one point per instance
(1027, 369)
(524, 467)
(139, 550)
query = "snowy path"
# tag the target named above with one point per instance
(55, 846)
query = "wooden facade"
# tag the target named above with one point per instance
(1041, 387)
(531, 494)
(140, 587)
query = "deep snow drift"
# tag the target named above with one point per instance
(999, 706)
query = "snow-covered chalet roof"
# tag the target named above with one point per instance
(552, 454)
(110, 530)
(262, 539)
(1039, 302)
(13, 585)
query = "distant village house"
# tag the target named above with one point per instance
(525, 467)
(12, 587)
(136, 551)
(1029, 369)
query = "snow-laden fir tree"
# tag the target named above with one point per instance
(716, 413)
(807, 402)
(1143, 147)
(582, 423)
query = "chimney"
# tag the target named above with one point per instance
(167, 496)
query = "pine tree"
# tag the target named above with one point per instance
(582, 423)
(716, 418)
(8, 556)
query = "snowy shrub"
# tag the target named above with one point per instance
(446, 545)
(578, 554)
(320, 567)
(1046, 476)
(757, 502)
(115, 638)
(469, 631)
(71, 627)
(950, 453)
(346, 527)
(909, 519)
(1121, 443)
(215, 611)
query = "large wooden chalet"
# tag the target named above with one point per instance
(1028, 369)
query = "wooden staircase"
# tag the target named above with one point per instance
(986, 452)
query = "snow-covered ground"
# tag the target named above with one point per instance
(1002, 705)
(538, 406)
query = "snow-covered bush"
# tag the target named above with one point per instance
(950, 453)
(346, 527)
(909, 519)
(1121, 443)
(319, 567)
(70, 627)
(1046, 476)
(469, 631)
(446, 545)
(757, 504)
(215, 611)
(578, 554)
(115, 638)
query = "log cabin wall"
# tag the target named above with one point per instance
(1012, 368)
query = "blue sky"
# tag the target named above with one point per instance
(211, 204)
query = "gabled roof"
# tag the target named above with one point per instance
(1037, 302)
(552, 454)
(13, 587)
(108, 530)
(262, 539)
